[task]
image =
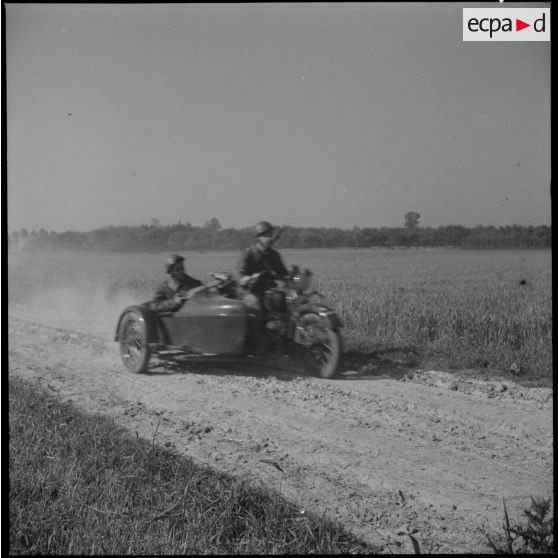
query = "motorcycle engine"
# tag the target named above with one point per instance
(275, 308)
(274, 301)
(275, 323)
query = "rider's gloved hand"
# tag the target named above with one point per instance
(254, 277)
(180, 297)
(245, 281)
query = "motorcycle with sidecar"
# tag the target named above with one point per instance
(215, 322)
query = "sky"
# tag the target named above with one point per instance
(302, 114)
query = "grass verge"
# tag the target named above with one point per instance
(81, 485)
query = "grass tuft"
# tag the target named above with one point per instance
(535, 536)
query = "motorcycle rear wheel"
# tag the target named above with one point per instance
(324, 355)
(134, 350)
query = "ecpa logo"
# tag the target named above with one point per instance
(506, 24)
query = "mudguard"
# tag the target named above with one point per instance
(149, 319)
(329, 317)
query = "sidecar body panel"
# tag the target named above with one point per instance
(208, 323)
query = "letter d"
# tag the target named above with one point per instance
(537, 21)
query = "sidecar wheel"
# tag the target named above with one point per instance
(324, 353)
(134, 349)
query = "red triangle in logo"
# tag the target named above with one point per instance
(519, 25)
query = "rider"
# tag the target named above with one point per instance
(175, 289)
(260, 264)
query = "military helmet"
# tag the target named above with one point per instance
(263, 227)
(172, 261)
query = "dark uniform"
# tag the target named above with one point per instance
(163, 301)
(177, 282)
(259, 258)
(256, 261)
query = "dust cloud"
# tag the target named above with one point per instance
(88, 305)
(85, 299)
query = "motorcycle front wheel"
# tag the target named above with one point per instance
(324, 347)
(134, 349)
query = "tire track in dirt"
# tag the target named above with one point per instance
(382, 456)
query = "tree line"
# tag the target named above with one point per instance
(211, 236)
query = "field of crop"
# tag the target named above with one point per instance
(487, 309)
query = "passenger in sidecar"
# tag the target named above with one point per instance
(175, 289)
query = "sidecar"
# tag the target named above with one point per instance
(209, 324)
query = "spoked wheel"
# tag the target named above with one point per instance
(324, 347)
(134, 349)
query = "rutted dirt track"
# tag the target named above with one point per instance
(428, 454)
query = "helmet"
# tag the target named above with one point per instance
(262, 228)
(172, 261)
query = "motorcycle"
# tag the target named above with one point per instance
(215, 322)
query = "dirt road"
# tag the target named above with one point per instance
(427, 453)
